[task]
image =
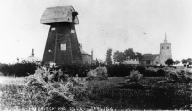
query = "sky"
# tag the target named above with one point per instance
(103, 24)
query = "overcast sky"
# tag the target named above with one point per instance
(116, 24)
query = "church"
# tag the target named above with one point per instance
(158, 59)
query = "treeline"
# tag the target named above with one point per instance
(114, 70)
(120, 57)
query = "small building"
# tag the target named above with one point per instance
(87, 58)
(131, 62)
(150, 59)
(32, 58)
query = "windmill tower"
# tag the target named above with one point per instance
(165, 51)
(62, 46)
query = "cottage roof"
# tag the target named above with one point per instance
(83, 52)
(32, 59)
(59, 14)
(149, 57)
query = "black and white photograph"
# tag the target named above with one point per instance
(95, 55)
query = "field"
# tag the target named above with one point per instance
(112, 93)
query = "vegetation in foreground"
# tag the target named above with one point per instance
(111, 92)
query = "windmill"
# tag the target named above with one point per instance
(62, 46)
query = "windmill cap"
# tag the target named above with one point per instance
(59, 14)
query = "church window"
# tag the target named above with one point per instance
(167, 47)
(162, 47)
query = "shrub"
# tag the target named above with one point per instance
(154, 72)
(77, 69)
(119, 70)
(135, 76)
(100, 72)
(141, 69)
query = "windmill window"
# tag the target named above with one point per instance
(53, 28)
(72, 31)
(63, 47)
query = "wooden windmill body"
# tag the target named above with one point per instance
(62, 46)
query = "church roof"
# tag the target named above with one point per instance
(59, 14)
(149, 57)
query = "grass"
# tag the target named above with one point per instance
(156, 96)
(104, 93)
(12, 80)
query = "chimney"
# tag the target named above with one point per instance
(165, 40)
(32, 53)
(92, 55)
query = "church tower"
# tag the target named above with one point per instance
(165, 51)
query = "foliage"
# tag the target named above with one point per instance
(108, 56)
(99, 72)
(135, 76)
(19, 69)
(138, 56)
(129, 53)
(141, 69)
(158, 96)
(45, 94)
(189, 61)
(126, 55)
(184, 61)
(77, 69)
(177, 62)
(154, 72)
(119, 70)
(169, 62)
(118, 56)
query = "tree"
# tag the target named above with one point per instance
(169, 62)
(118, 56)
(138, 56)
(97, 62)
(108, 56)
(184, 61)
(189, 61)
(177, 62)
(129, 53)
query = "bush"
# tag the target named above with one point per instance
(135, 76)
(100, 72)
(19, 69)
(119, 70)
(77, 69)
(141, 69)
(154, 72)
